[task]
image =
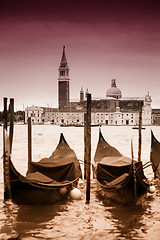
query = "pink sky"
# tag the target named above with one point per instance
(103, 39)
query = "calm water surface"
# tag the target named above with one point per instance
(101, 219)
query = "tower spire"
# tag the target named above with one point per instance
(63, 59)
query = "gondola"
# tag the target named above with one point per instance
(118, 177)
(47, 181)
(155, 155)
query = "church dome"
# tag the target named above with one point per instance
(113, 91)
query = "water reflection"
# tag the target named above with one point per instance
(74, 219)
(8, 213)
(101, 219)
(127, 220)
(25, 219)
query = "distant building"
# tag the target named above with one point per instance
(41, 115)
(63, 82)
(81, 96)
(104, 112)
(19, 116)
(35, 113)
(113, 91)
(111, 110)
(156, 116)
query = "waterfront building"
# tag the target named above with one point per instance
(35, 113)
(156, 116)
(114, 109)
(107, 111)
(41, 115)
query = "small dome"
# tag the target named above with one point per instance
(113, 91)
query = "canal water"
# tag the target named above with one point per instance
(101, 219)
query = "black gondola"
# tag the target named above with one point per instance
(47, 181)
(155, 155)
(119, 178)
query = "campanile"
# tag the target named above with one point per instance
(63, 82)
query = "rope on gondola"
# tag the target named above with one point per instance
(15, 180)
(149, 164)
(81, 161)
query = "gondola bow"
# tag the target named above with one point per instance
(155, 155)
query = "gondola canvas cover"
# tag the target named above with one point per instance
(61, 166)
(110, 162)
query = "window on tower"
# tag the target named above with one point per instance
(62, 73)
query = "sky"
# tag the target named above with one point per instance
(104, 39)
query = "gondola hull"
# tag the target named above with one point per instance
(24, 192)
(118, 177)
(155, 155)
(123, 194)
(47, 181)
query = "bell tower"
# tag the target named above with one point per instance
(63, 82)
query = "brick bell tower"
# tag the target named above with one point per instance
(63, 82)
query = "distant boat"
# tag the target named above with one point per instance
(136, 127)
(92, 125)
(67, 125)
(77, 125)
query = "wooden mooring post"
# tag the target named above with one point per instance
(87, 154)
(7, 118)
(134, 170)
(11, 127)
(5, 173)
(29, 142)
(5, 114)
(85, 143)
(140, 131)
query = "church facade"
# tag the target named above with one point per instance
(113, 109)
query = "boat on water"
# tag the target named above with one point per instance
(47, 181)
(77, 125)
(67, 125)
(92, 125)
(118, 177)
(155, 155)
(136, 127)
